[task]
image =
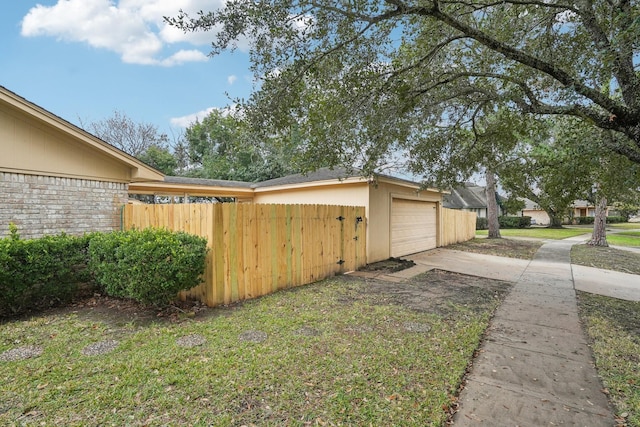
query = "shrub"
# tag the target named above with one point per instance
(481, 223)
(615, 219)
(150, 266)
(514, 221)
(39, 273)
(584, 220)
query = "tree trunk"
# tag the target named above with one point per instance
(555, 220)
(599, 237)
(492, 206)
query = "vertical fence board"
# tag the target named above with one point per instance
(257, 249)
(457, 226)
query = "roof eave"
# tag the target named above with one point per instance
(162, 188)
(139, 170)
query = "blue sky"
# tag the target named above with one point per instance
(83, 59)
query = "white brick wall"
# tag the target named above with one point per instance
(41, 205)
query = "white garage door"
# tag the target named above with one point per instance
(413, 226)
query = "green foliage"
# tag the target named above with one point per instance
(364, 81)
(39, 273)
(615, 219)
(160, 158)
(514, 221)
(150, 266)
(512, 205)
(627, 209)
(582, 220)
(223, 146)
(481, 223)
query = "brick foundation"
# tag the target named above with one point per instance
(43, 205)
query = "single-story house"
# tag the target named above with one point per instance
(468, 197)
(56, 177)
(540, 217)
(402, 218)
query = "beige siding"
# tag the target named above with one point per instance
(346, 194)
(540, 217)
(29, 147)
(376, 198)
(413, 226)
(379, 237)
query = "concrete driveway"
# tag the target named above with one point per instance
(593, 280)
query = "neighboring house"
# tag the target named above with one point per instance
(540, 217)
(402, 218)
(56, 177)
(470, 198)
(585, 208)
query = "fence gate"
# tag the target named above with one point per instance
(256, 249)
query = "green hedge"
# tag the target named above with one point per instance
(514, 221)
(150, 266)
(40, 273)
(481, 223)
(584, 220)
(615, 219)
(589, 219)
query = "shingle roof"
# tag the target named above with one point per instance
(469, 196)
(206, 182)
(323, 174)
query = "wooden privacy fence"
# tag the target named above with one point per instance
(457, 226)
(256, 249)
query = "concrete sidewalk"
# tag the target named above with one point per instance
(535, 367)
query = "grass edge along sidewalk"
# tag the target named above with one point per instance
(330, 353)
(613, 325)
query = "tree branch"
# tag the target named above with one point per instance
(528, 60)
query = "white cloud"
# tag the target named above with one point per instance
(186, 121)
(183, 56)
(134, 29)
(232, 79)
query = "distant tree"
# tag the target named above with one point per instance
(615, 179)
(124, 133)
(548, 170)
(223, 146)
(566, 162)
(627, 209)
(512, 205)
(160, 158)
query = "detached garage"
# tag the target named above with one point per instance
(402, 218)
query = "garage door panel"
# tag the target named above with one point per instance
(413, 226)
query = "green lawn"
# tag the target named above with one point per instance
(626, 238)
(539, 233)
(330, 353)
(612, 325)
(625, 225)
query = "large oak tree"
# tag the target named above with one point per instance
(365, 80)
